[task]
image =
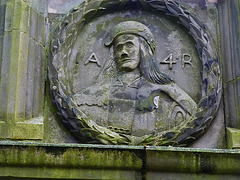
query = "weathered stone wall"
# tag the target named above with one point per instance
(26, 105)
(23, 35)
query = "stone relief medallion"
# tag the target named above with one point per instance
(125, 73)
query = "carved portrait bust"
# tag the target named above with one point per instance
(137, 79)
(130, 93)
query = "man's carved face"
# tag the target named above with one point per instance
(126, 52)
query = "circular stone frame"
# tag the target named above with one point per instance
(86, 130)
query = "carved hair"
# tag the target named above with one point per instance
(148, 66)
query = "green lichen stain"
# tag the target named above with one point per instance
(101, 159)
(233, 138)
(192, 162)
(70, 157)
(234, 80)
(100, 27)
(62, 158)
(17, 15)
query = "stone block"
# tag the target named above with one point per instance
(235, 19)
(226, 45)
(9, 16)
(25, 18)
(3, 129)
(39, 6)
(41, 29)
(33, 32)
(13, 76)
(1, 51)
(15, 101)
(5, 65)
(3, 2)
(22, 76)
(192, 161)
(229, 28)
(39, 79)
(31, 129)
(30, 78)
(2, 19)
(233, 138)
(59, 162)
(232, 98)
(183, 176)
(17, 16)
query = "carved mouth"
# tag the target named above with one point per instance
(126, 60)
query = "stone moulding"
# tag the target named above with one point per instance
(88, 131)
(72, 161)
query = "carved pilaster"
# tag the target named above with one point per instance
(22, 33)
(230, 33)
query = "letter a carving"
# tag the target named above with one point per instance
(93, 58)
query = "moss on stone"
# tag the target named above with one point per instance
(74, 161)
(233, 138)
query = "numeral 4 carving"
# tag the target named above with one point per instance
(186, 60)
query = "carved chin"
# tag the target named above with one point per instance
(128, 66)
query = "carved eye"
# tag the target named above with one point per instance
(118, 48)
(129, 44)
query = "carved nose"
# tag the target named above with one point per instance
(124, 53)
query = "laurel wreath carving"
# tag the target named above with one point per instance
(88, 131)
